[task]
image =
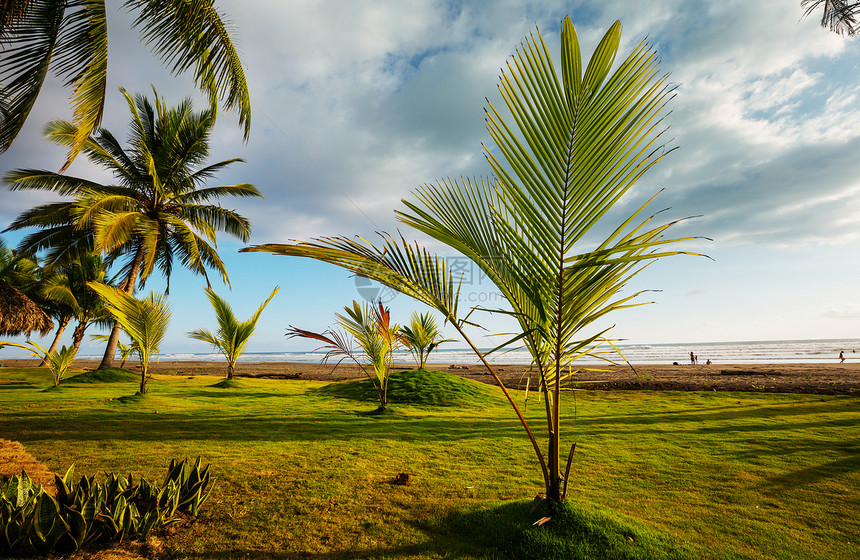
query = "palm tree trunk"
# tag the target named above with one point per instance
(553, 491)
(63, 322)
(230, 369)
(128, 286)
(143, 371)
(78, 335)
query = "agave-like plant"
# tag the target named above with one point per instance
(421, 336)
(370, 326)
(572, 147)
(59, 361)
(144, 320)
(232, 335)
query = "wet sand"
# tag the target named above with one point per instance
(817, 378)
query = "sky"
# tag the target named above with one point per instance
(356, 104)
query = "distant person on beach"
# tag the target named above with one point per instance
(708, 362)
(841, 357)
(692, 359)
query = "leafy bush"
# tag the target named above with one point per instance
(33, 521)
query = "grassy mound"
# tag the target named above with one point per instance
(228, 384)
(417, 387)
(110, 375)
(573, 533)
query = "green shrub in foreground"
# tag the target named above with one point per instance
(33, 521)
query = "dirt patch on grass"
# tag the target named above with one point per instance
(14, 458)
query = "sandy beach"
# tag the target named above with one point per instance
(814, 378)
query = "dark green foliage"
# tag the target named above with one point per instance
(572, 533)
(34, 522)
(109, 375)
(416, 387)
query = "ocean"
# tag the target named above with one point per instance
(748, 352)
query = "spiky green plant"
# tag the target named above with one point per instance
(232, 335)
(421, 336)
(572, 147)
(370, 326)
(144, 320)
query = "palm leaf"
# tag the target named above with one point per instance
(28, 42)
(191, 34)
(81, 56)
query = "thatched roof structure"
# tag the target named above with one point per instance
(18, 313)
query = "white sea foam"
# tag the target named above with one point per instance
(768, 352)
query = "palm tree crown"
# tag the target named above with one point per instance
(158, 211)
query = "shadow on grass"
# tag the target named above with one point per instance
(12, 385)
(507, 531)
(329, 426)
(813, 474)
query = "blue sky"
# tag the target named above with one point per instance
(356, 104)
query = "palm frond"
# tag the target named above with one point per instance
(192, 35)
(81, 56)
(28, 42)
(403, 267)
(838, 16)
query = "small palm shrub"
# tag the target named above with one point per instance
(370, 327)
(232, 335)
(58, 361)
(421, 336)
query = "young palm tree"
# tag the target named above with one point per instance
(575, 144)
(232, 335)
(59, 361)
(370, 326)
(159, 209)
(72, 39)
(421, 336)
(144, 320)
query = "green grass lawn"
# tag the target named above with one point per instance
(302, 472)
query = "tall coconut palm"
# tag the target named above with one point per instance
(71, 37)
(232, 335)
(144, 320)
(838, 16)
(572, 146)
(159, 209)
